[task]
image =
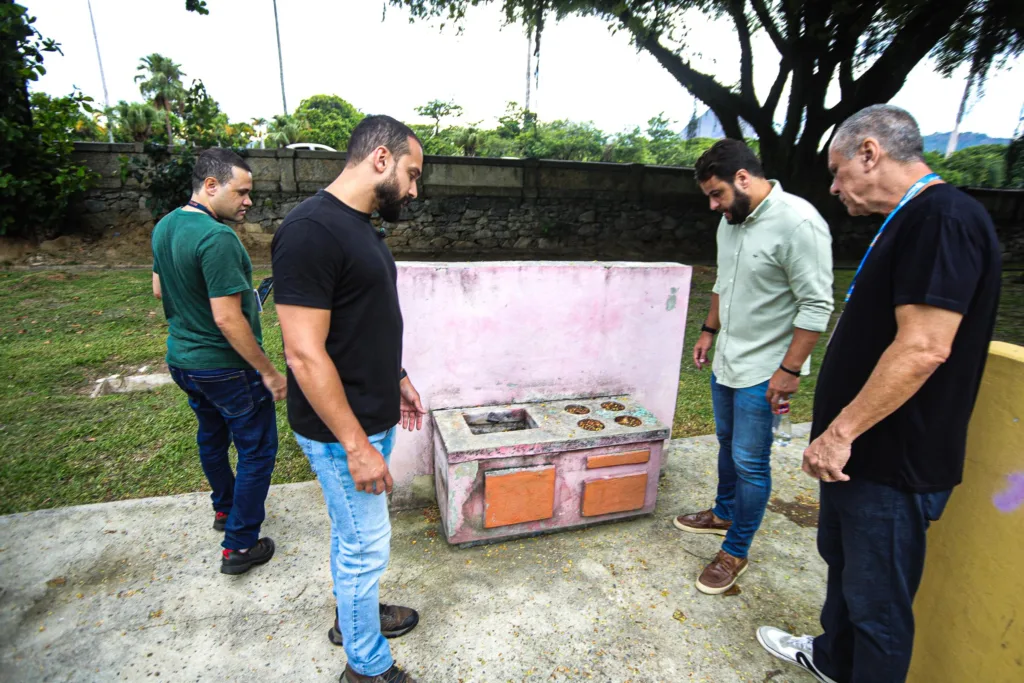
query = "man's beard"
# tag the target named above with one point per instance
(740, 208)
(389, 198)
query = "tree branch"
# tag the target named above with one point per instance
(915, 40)
(737, 10)
(764, 16)
(772, 103)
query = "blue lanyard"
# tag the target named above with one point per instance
(196, 205)
(911, 193)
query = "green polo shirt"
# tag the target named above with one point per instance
(774, 274)
(198, 259)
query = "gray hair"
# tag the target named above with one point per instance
(896, 131)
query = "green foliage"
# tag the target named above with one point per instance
(287, 130)
(1015, 163)
(330, 120)
(205, 125)
(437, 110)
(161, 82)
(981, 166)
(38, 179)
(165, 172)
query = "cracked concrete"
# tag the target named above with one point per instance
(130, 591)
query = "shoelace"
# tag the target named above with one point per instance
(804, 643)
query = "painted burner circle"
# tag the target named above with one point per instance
(629, 421)
(577, 410)
(591, 425)
(613, 406)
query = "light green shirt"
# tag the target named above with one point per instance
(774, 274)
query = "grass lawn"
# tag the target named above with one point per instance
(60, 331)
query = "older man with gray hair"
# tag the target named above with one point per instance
(894, 396)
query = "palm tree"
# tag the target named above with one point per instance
(135, 120)
(286, 130)
(162, 83)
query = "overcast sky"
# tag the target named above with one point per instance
(342, 47)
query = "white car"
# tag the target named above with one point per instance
(311, 146)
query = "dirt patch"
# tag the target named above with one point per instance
(803, 511)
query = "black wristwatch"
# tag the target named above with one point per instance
(711, 330)
(402, 375)
(795, 373)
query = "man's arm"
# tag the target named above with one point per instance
(706, 339)
(227, 314)
(808, 265)
(305, 335)
(156, 286)
(923, 342)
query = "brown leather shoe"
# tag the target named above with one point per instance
(392, 675)
(395, 621)
(721, 574)
(702, 522)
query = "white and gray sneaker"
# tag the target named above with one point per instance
(797, 650)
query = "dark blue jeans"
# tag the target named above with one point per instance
(743, 423)
(233, 406)
(872, 537)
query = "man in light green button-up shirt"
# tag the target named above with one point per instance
(772, 300)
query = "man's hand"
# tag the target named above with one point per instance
(700, 351)
(276, 384)
(412, 408)
(781, 386)
(826, 457)
(368, 469)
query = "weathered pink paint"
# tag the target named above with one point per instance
(479, 334)
(462, 461)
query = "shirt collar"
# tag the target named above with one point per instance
(765, 204)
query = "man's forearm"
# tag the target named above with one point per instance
(899, 374)
(713, 321)
(318, 378)
(800, 348)
(239, 334)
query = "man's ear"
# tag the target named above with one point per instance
(741, 180)
(870, 153)
(210, 185)
(381, 159)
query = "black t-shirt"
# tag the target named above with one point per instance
(328, 255)
(939, 250)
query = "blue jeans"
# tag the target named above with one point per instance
(360, 549)
(232, 405)
(872, 537)
(743, 423)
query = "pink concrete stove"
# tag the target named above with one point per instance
(523, 469)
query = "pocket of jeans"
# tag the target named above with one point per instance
(230, 393)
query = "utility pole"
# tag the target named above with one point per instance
(103, 78)
(529, 68)
(954, 137)
(280, 60)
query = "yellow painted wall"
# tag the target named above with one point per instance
(970, 609)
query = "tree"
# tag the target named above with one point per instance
(38, 178)
(864, 48)
(1015, 163)
(286, 130)
(162, 83)
(978, 166)
(437, 110)
(133, 122)
(330, 119)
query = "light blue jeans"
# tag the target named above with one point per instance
(360, 548)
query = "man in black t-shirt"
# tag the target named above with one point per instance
(894, 395)
(337, 300)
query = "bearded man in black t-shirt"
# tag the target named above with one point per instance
(894, 395)
(337, 299)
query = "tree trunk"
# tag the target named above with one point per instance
(167, 120)
(955, 135)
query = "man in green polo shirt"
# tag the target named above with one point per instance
(772, 300)
(203, 275)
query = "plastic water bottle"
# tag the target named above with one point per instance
(782, 427)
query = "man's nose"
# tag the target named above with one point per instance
(834, 188)
(412, 190)
(714, 204)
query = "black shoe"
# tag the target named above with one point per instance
(220, 521)
(394, 622)
(392, 675)
(235, 562)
